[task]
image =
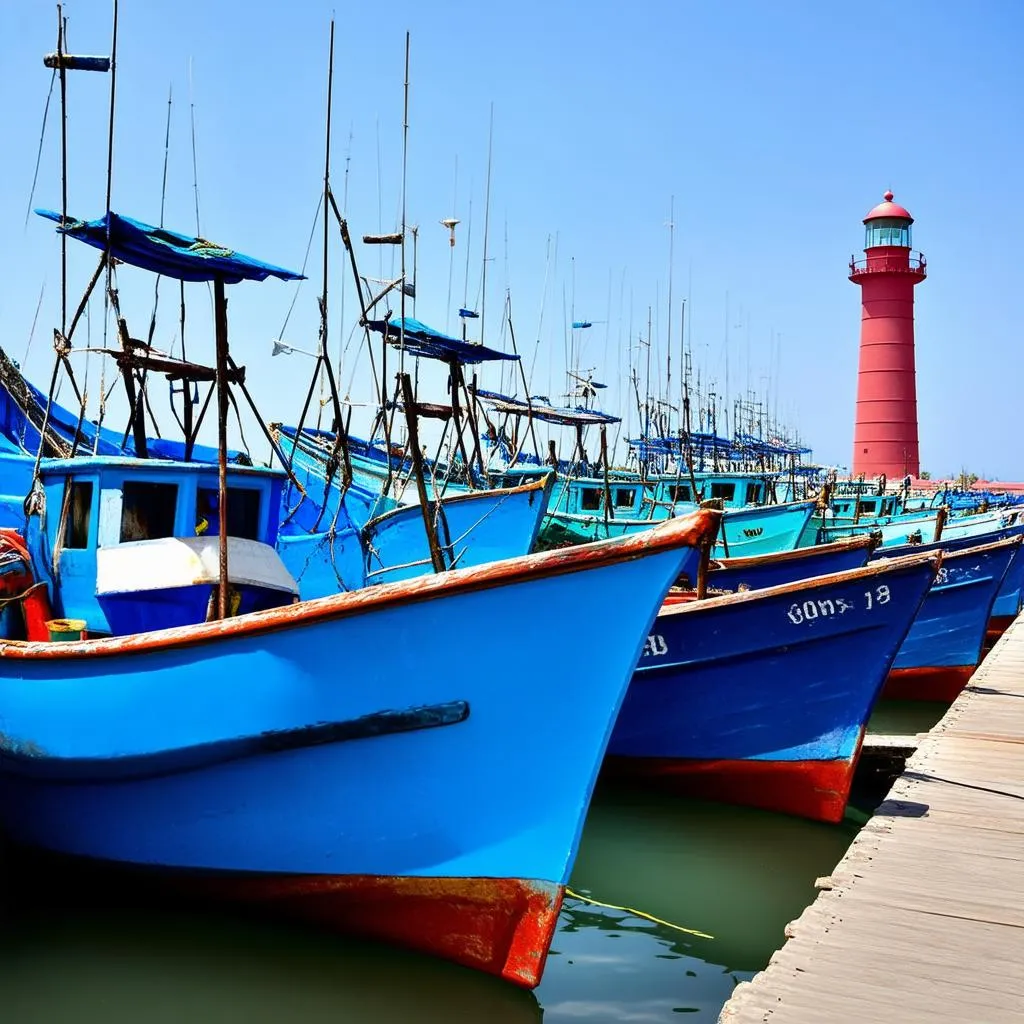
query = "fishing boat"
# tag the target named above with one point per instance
(200, 752)
(729, 575)
(944, 644)
(332, 537)
(183, 712)
(1010, 597)
(472, 526)
(763, 529)
(762, 697)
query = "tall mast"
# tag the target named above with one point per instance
(487, 220)
(405, 152)
(668, 346)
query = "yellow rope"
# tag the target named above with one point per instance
(638, 913)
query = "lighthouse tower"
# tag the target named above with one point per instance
(885, 435)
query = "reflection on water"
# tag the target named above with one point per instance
(737, 874)
(95, 956)
(72, 949)
(905, 717)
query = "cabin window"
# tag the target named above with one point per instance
(867, 507)
(753, 494)
(590, 499)
(724, 491)
(243, 512)
(680, 492)
(147, 510)
(79, 505)
(624, 497)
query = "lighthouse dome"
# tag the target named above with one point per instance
(888, 224)
(888, 209)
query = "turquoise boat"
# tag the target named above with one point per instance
(757, 530)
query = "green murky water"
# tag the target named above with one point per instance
(86, 956)
(905, 717)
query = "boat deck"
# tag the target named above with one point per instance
(923, 919)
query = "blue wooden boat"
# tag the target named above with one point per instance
(1010, 597)
(944, 645)
(341, 539)
(473, 526)
(306, 754)
(202, 751)
(762, 697)
(729, 575)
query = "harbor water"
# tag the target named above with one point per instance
(652, 870)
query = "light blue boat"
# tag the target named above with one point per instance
(201, 750)
(333, 540)
(473, 526)
(306, 754)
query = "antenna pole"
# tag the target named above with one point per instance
(405, 160)
(487, 220)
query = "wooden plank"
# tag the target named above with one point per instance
(924, 919)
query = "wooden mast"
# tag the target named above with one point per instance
(220, 312)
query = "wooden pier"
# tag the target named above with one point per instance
(923, 919)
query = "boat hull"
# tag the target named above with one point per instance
(735, 574)
(944, 644)
(762, 697)
(310, 749)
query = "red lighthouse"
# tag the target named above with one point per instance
(885, 436)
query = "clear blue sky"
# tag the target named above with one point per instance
(775, 126)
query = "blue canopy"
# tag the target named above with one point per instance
(421, 340)
(183, 257)
(541, 409)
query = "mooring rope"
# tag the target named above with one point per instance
(638, 913)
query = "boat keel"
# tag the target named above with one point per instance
(943, 682)
(808, 789)
(501, 926)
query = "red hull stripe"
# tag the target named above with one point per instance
(809, 789)
(501, 926)
(943, 682)
(997, 626)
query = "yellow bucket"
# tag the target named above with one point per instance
(66, 629)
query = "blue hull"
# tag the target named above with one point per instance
(1011, 591)
(315, 748)
(762, 697)
(730, 575)
(944, 644)
(474, 527)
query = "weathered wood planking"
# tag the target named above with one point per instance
(924, 920)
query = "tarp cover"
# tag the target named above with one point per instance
(421, 340)
(541, 409)
(183, 257)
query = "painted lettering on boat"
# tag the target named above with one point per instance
(828, 607)
(754, 531)
(655, 645)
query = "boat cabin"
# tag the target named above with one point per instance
(132, 545)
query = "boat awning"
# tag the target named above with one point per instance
(184, 257)
(421, 340)
(541, 409)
